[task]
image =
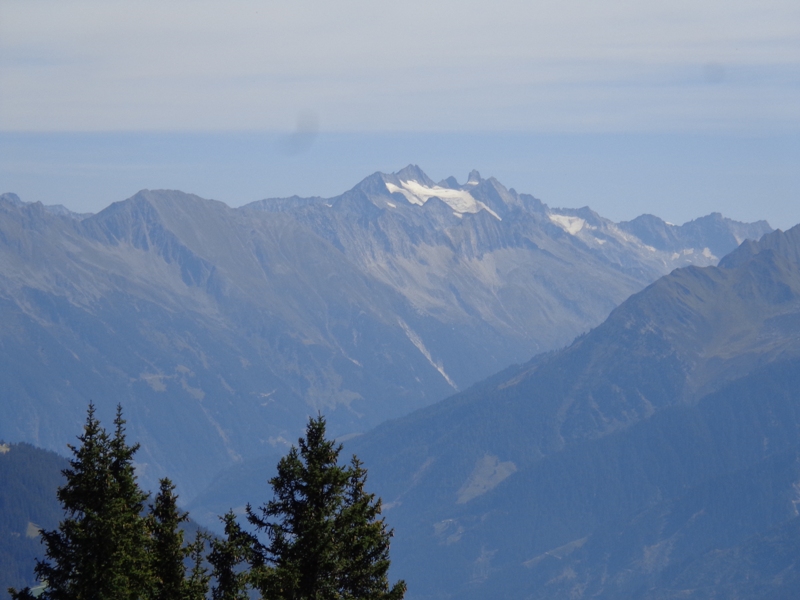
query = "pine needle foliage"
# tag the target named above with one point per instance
(229, 558)
(326, 538)
(98, 551)
(324, 535)
(364, 543)
(168, 553)
(197, 581)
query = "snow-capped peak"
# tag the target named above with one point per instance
(461, 201)
(570, 224)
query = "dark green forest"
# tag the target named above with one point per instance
(28, 502)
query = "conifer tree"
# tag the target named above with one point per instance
(196, 584)
(364, 543)
(325, 538)
(167, 551)
(229, 558)
(98, 550)
(130, 564)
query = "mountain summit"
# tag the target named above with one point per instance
(238, 323)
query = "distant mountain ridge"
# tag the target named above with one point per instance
(56, 209)
(655, 457)
(535, 242)
(713, 231)
(239, 323)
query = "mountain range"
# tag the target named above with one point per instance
(220, 330)
(657, 456)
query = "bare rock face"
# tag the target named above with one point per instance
(220, 330)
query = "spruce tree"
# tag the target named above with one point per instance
(229, 558)
(98, 550)
(167, 551)
(364, 543)
(168, 554)
(196, 584)
(325, 538)
(130, 565)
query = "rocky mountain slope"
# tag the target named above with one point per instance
(221, 329)
(655, 457)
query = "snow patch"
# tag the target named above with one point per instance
(707, 253)
(417, 341)
(460, 201)
(392, 204)
(393, 189)
(571, 225)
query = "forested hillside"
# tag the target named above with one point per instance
(29, 477)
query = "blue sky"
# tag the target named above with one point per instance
(675, 108)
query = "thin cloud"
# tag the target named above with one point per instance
(367, 66)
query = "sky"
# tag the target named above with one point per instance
(674, 108)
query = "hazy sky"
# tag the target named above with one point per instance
(624, 72)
